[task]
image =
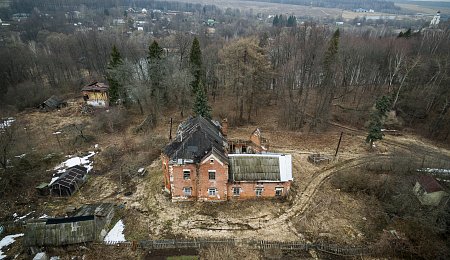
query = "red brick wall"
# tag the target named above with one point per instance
(220, 183)
(178, 181)
(247, 189)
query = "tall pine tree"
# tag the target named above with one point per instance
(154, 59)
(195, 60)
(116, 90)
(382, 106)
(201, 107)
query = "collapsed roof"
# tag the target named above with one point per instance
(196, 137)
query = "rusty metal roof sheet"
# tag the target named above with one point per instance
(96, 86)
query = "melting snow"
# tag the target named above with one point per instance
(116, 233)
(434, 170)
(83, 161)
(6, 241)
(17, 218)
(7, 122)
(20, 156)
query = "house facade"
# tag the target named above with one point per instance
(197, 166)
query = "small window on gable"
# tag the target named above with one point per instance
(187, 174)
(212, 175)
(236, 191)
(212, 191)
(211, 160)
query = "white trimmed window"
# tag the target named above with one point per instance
(212, 191)
(187, 191)
(278, 191)
(236, 191)
(187, 174)
(212, 175)
(258, 192)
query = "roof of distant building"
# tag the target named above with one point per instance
(429, 184)
(96, 86)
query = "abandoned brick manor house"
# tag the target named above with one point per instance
(202, 164)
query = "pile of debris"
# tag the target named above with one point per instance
(317, 158)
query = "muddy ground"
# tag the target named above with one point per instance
(314, 211)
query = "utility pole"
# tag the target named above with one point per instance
(339, 143)
(170, 130)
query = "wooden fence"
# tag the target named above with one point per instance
(252, 244)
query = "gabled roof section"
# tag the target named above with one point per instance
(96, 86)
(196, 137)
(429, 184)
(260, 167)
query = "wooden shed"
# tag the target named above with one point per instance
(96, 94)
(89, 223)
(69, 182)
(52, 103)
(429, 191)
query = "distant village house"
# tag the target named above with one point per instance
(96, 94)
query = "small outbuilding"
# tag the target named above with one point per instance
(69, 182)
(429, 191)
(52, 103)
(89, 223)
(96, 94)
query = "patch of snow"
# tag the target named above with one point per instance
(54, 258)
(141, 170)
(53, 180)
(116, 233)
(96, 146)
(57, 133)
(22, 217)
(6, 241)
(44, 216)
(20, 156)
(84, 161)
(7, 122)
(434, 170)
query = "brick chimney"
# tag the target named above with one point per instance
(225, 127)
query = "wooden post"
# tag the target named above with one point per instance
(339, 143)
(170, 130)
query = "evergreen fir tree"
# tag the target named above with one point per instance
(382, 106)
(275, 21)
(154, 58)
(115, 91)
(195, 60)
(201, 107)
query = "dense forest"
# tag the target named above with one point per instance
(311, 73)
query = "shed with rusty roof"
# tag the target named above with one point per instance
(96, 94)
(429, 191)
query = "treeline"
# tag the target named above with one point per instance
(378, 5)
(27, 6)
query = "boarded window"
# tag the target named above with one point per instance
(259, 191)
(212, 191)
(212, 175)
(187, 174)
(236, 191)
(187, 191)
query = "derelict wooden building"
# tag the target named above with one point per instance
(89, 223)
